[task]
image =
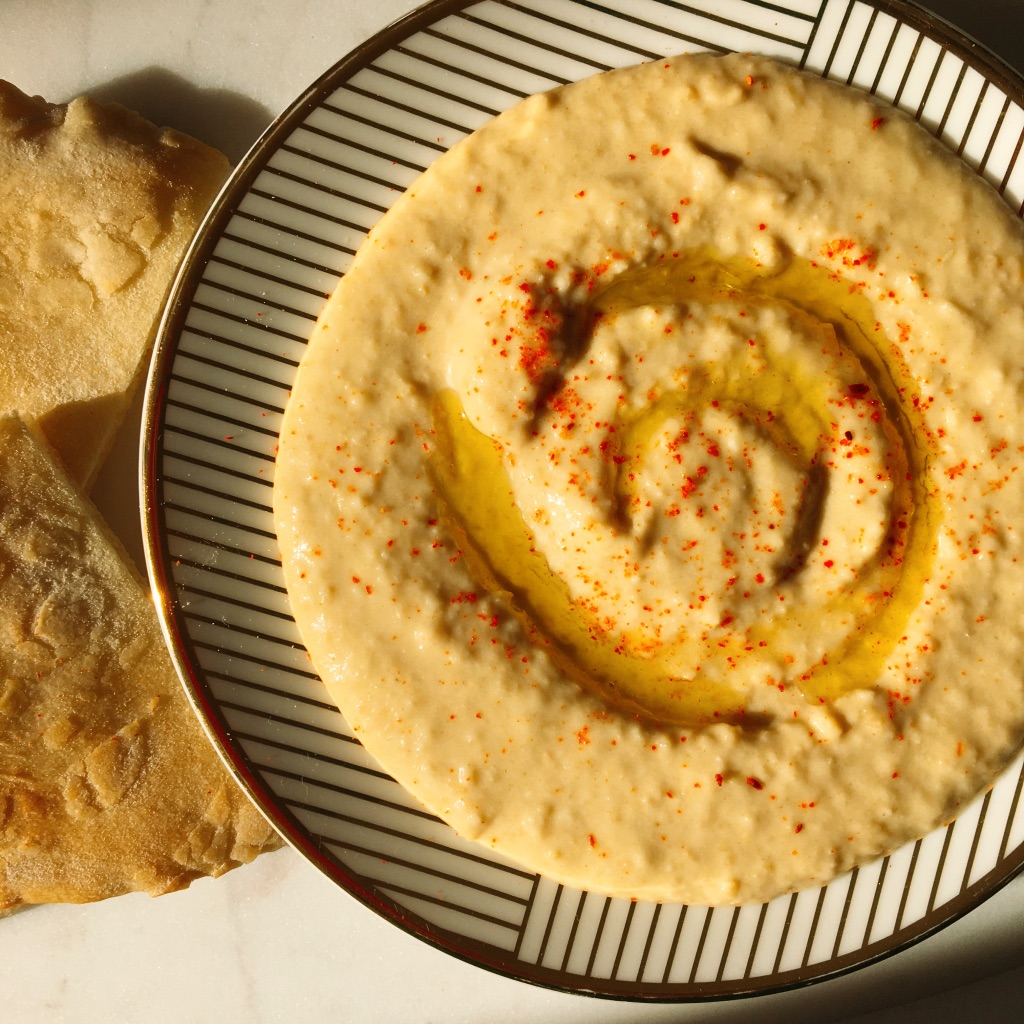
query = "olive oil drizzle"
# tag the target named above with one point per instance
(784, 405)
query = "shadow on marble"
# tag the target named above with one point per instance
(19, 908)
(997, 24)
(227, 120)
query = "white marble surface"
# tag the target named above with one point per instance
(276, 941)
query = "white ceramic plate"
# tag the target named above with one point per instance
(250, 291)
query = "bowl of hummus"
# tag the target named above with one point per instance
(645, 497)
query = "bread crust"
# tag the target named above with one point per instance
(97, 207)
(107, 783)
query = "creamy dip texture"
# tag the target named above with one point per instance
(648, 495)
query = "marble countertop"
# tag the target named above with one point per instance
(276, 940)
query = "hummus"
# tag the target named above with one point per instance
(648, 496)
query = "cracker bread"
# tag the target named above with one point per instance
(107, 783)
(97, 206)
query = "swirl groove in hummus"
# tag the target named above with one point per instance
(646, 494)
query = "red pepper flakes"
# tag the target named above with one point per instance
(592, 840)
(876, 123)
(536, 358)
(719, 778)
(754, 783)
(843, 249)
(688, 487)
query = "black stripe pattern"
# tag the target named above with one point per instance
(256, 283)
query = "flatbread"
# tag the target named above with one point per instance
(107, 783)
(97, 206)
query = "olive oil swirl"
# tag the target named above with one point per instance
(786, 406)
